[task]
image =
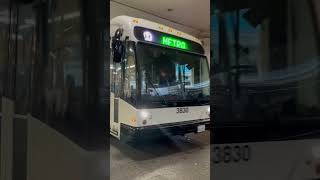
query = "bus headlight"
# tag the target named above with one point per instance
(208, 111)
(145, 115)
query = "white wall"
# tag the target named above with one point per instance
(118, 9)
(206, 45)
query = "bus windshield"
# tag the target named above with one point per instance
(170, 77)
(266, 62)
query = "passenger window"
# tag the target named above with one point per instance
(130, 73)
(116, 79)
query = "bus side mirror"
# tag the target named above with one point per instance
(117, 46)
(117, 50)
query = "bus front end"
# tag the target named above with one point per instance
(168, 122)
(162, 85)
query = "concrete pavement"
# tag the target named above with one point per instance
(162, 159)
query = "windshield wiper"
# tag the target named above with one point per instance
(152, 85)
(182, 81)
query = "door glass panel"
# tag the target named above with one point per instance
(3, 47)
(130, 84)
(4, 19)
(59, 73)
(26, 53)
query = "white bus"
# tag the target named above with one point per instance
(159, 80)
(266, 90)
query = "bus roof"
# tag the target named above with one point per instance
(128, 23)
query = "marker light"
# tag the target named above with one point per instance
(148, 36)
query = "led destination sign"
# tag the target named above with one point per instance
(164, 39)
(173, 42)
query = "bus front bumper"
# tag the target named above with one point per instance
(171, 129)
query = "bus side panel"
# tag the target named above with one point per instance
(114, 126)
(111, 108)
(127, 114)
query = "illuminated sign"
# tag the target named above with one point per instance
(169, 40)
(173, 42)
(148, 36)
